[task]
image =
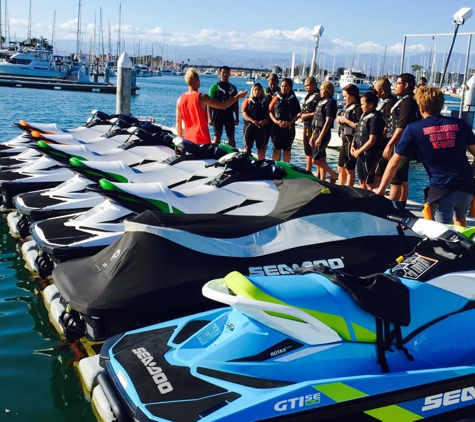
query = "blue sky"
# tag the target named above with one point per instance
(277, 25)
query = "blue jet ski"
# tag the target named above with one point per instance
(317, 345)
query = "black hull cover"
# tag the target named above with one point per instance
(160, 264)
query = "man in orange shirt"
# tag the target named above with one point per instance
(191, 114)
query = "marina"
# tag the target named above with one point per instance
(388, 345)
(29, 341)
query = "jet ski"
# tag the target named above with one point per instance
(46, 173)
(106, 132)
(76, 194)
(141, 278)
(96, 125)
(72, 236)
(319, 345)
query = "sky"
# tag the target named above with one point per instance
(365, 26)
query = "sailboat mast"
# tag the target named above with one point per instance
(119, 35)
(78, 34)
(28, 35)
(54, 27)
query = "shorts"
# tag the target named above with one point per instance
(345, 159)
(252, 134)
(402, 173)
(320, 151)
(307, 134)
(455, 203)
(366, 167)
(226, 121)
(282, 139)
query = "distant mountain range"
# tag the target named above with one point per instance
(209, 56)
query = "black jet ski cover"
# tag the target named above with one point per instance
(162, 261)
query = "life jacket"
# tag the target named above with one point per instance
(319, 118)
(350, 113)
(394, 116)
(283, 109)
(225, 91)
(258, 108)
(362, 130)
(382, 103)
(309, 103)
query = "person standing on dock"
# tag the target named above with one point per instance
(227, 118)
(367, 139)
(382, 88)
(348, 121)
(403, 112)
(191, 110)
(322, 123)
(284, 110)
(255, 112)
(308, 106)
(442, 144)
(272, 89)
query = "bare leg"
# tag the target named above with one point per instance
(231, 141)
(342, 174)
(309, 162)
(287, 156)
(324, 168)
(261, 154)
(276, 155)
(460, 221)
(350, 177)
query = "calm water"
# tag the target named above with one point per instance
(37, 378)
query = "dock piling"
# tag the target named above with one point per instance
(124, 81)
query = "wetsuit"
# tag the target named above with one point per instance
(308, 105)
(196, 120)
(384, 106)
(370, 124)
(270, 124)
(352, 112)
(222, 91)
(403, 112)
(257, 109)
(326, 107)
(285, 108)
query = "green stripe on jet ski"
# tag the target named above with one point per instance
(341, 392)
(242, 286)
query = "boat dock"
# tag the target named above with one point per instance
(60, 85)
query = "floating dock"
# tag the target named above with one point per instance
(60, 85)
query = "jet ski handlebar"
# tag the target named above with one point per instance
(434, 230)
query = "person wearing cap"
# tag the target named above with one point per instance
(322, 123)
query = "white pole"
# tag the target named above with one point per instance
(124, 81)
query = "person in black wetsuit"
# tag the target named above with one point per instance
(226, 119)
(308, 106)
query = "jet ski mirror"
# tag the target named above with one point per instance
(434, 230)
(178, 141)
(225, 159)
(133, 130)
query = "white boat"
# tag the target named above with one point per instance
(37, 62)
(355, 77)
(143, 71)
(334, 79)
